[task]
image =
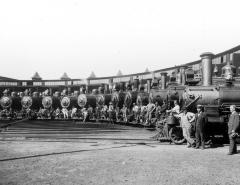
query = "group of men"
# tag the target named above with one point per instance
(145, 115)
(190, 122)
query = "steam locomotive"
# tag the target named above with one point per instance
(184, 87)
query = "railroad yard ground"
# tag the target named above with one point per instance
(58, 152)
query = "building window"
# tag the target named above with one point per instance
(37, 83)
(24, 83)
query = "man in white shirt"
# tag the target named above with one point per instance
(150, 108)
(186, 121)
(176, 108)
(135, 110)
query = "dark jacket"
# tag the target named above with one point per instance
(200, 121)
(233, 122)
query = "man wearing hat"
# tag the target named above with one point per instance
(200, 124)
(233, 125)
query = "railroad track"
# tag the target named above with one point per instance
(66, 130)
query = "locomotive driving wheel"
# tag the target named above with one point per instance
(176, 136)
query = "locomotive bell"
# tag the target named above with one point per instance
(215, 70)
(13, 94)
(83, 90)
(64, 92)
(5, 92)
(46, 92)
(57, 94)
(94, 91)
(228, 71)
(129, 86)
(21, 94)
(35, 94)
(26, 92)
(101, 89)
(76, 93)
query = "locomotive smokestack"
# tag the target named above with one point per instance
(207, 68)
(164, 80)
(122, 86)
(182, 74)
(136, 84)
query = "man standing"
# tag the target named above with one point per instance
(233, 125)
(150, 108)
(200, 125)
(163, 110)
(157, 111)
(111, 112)
(186, 121)
(124, 113)
(135, 112)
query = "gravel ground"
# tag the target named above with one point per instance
(119, 161)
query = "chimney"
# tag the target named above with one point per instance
(206, 68)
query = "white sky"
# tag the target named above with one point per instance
(80, 36)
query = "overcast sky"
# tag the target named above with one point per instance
(80, 36)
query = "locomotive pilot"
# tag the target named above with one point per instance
(65, 113)
(233, 125)
(74, 112)
(57, 112)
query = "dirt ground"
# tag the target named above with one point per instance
(107, 154)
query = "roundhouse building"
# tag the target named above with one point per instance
(149, 79)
